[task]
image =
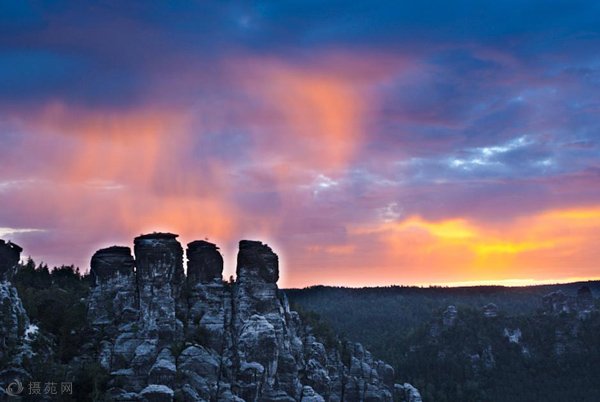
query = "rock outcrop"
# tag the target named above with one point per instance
(558, 302)
(10, 254)
(584, 301)
(449, 316)
(113, 298)
(15, 329)
(208, 302)
(490, 310)
(163, 335)
(407, 393)
(205, 263)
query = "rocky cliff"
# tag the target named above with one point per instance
(162, 335)
(14, 322)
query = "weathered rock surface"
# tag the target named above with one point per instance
(113, 298)
(490, 310)
(449, 316)
(584, 302)
(15, 329)
(558, 302)
(406, 392)
(10, 254)
(164, 336)
(160, 278)
(207, 301)
(513, 335)
(205, 263)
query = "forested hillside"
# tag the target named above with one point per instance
(492, 344)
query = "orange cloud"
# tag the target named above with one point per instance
(126, 171)
(335, 249)
(126, 146)
(550, 244)
(316, 116)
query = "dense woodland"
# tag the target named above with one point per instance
(55, 300)
(472, 360)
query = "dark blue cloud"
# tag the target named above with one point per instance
(25, 71)
(117, 44)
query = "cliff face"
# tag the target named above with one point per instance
(163, 335)
(14, 322)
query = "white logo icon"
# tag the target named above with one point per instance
(14, 388)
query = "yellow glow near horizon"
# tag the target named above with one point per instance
(510, 247)
(448, 229)
(558, 244)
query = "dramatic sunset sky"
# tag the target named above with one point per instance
(369, 143)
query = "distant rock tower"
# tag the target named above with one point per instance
(10, 254)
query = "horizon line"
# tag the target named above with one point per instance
(507, 283)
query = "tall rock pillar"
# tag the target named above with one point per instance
(263, 344)
(208, 304)
(160, 276)
(112, 299)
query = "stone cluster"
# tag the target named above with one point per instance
(558, 302)
(164, 335)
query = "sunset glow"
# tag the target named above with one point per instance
(364, 154)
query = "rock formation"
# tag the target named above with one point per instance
(558, 302)
(10, 254)
(407, 393)
(584, 301)
(163, 335)
(490, 310)
(113, 289)
(449, 316)
(207, 300)
(14, 322)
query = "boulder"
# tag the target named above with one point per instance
(309, 395)
(157, 393)
(406, 393)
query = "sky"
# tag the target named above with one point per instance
(369, 143)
